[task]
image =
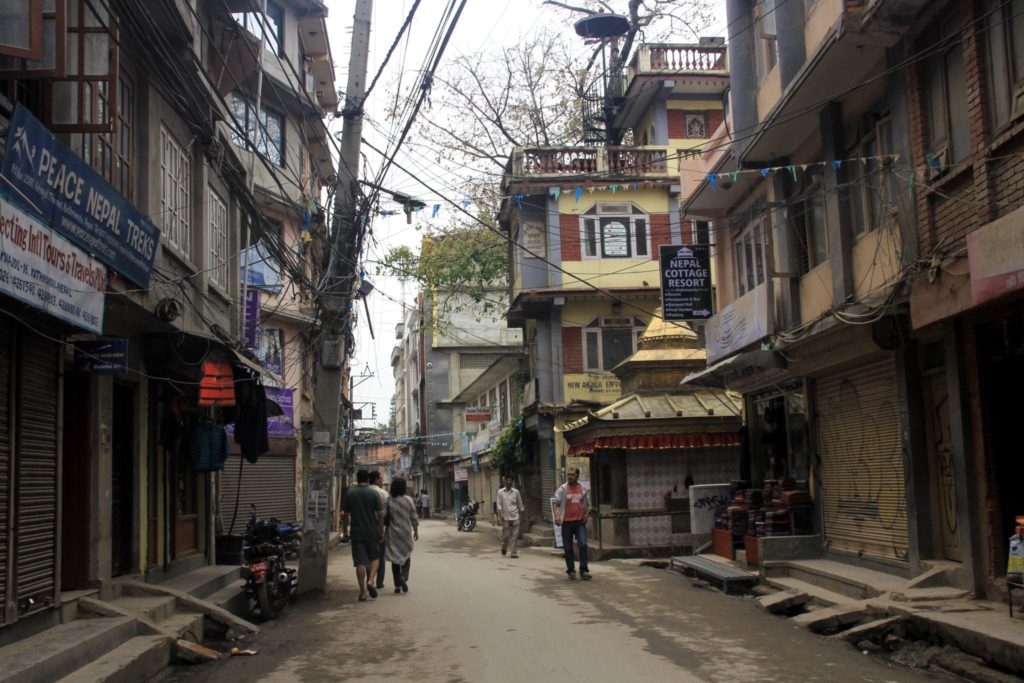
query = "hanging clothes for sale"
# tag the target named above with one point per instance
(216, 386)
(209, 447)
(250, 414)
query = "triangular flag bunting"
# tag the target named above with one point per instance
(837, 164)
(435, 210)
(792, 172)
(579, 193)
(712, 180)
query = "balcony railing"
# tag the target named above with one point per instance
(664, 58)
(608, 162)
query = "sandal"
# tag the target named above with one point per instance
(362, 598)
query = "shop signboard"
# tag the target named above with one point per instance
(995, 253)
(743, 322)
(477, 414)
(103, 356)
(281, 426)
(252, 317)
(461, 474)
(76, 201)
(685, 282)
(42, 269)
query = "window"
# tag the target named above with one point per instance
(609, 341)
(700, 232)
(809, 221)
(218, 239)
(945, 82)
(175, 193)
(267, 27)
(696, 126)
(21, 31)
(615, 231)
(872, 186)
(1006, 62)
(766, 49)
(267, 138)
(110, 154)
(749, 254)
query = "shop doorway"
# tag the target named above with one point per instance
(122, 480)
(1002, 370)
(941, 471)
(187, 491)
(76, 492)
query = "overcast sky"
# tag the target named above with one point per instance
(484, 24)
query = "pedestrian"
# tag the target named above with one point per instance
(364, 526)
(510, 511)
(573, 509)
(377, 483)
(425, 500)
(403, 528)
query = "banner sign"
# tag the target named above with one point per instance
(44, 270)
(281, 426)
(685, 282)
(105, 356)
(76, 201)
(477, 414)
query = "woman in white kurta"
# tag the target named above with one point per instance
(403, 529)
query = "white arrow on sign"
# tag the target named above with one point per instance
(703, 313)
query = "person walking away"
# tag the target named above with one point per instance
(571, 513)
(403, 529)
(419, 504)
(364, 526)
(426, 504)
(376, 482)
(510, 511)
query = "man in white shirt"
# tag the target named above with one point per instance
(510, 510)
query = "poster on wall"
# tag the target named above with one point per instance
(281, 426)
(461, 474)
(42, 269)
(558, 527)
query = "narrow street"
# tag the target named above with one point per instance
(473, 615)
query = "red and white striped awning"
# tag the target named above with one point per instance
(656, 442)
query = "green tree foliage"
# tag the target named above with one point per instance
(509, 452)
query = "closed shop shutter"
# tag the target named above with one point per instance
(862, 478)
(36, 473)
(5, 460)
(269, 483)
(548, 482)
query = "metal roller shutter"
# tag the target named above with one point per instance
(269, 483)
(5, 459)
(36, 474)
(863, 483)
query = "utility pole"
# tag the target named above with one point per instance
(335, 302)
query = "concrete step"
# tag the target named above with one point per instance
(204, 581)
(933, 593)
(836, 618)
(138, 659)
(784, 601)
(58, 651)
(185, 625)
(154, 607)
(817, 594)
(854, 581)
(232, 598)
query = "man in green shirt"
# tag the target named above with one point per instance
(364, 525)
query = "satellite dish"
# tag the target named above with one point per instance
(602, 26)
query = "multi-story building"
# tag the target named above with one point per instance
(407, 370)
(586, 224)
(191, 133)
(868, 247)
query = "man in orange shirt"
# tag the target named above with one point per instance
(573, 509)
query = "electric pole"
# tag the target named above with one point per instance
(335, 301)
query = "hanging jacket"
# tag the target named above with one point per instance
(208, 447)
(251, 415)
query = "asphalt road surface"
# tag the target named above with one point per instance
(473, 615)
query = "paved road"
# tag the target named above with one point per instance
(473, 615)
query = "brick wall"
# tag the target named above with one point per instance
(572, 349)
(569, 225)
(661, 233)
(676, 124)
(715, 118)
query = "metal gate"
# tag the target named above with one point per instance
(35, 463)
(269, 483)
(861, 469)
(6, 401)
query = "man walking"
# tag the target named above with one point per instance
(572, 511)
(364, 526)
(510, 510)
(377, 484)
(425, 501)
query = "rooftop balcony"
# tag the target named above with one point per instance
(665, 59)
(610, 163)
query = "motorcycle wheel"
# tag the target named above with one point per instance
(469, 524)
(263, 600)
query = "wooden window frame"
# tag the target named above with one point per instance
(593, 226)
(34, 51)
(175, 194)
(219, 239)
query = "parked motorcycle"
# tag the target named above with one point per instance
(268, 582)
(466, 518)
(290, 534)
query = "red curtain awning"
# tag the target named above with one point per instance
(656, 442)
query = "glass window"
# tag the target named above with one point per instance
(265, 136)
(609, 341)
(615, 231)
(1005, 62)
(946, 98)
(218, 239)
(749, 255)
(175, 193)
(266, 27)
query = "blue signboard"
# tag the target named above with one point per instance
(104, 356)
(76, 201)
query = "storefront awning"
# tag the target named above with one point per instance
(656, 442)
(742, 372)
